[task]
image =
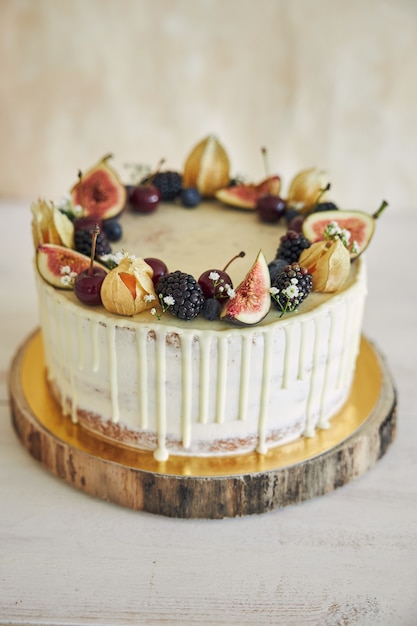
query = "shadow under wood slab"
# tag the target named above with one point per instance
(205, 487)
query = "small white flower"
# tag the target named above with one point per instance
(274, 291)
(66, 280)
(169, 300)
(214, 276)
(149, 297)
(65, 270)
(292, 291)
(153, 311)
(294, 281)
(220, 288)
(345, 235)
(354, 247)
(230, 291)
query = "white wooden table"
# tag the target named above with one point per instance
(349, 558)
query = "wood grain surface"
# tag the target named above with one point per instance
(201, 496)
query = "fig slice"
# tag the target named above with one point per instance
(245, 196)
(252, 299)
(361, 226)
(58, 264)
(100, 191)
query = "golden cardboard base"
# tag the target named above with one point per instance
(80, 457)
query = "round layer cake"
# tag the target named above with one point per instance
(202, 387)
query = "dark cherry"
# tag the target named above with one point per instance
(296, 223)
(88, 221)
(214, 289)
(145, 198)
(270, 208)
(87, 285)
(210, 290)
(159, 268)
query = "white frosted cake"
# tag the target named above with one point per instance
(198, 387)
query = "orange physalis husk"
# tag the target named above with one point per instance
(128, 289)
(329, 264)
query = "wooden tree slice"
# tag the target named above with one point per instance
(205, 488)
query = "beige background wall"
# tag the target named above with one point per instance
(325, 82)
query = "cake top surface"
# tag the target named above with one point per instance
(232, 220)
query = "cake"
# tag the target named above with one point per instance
(200, 387)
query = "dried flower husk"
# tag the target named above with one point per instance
(49, 225)
(207, 167)
(306, 188)
(329, 264)
(128, 288)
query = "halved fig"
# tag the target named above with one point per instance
(59, 265)
(252, 299)
(245, 196)
(100, 191)
(360, 225)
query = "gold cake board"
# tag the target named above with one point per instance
(205, 487)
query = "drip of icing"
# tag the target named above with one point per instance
(302, 360)
(266, 377)
(187, 386)
(244, 376)
(221, 379)
(318, 329)
(114, 391)
(288, 355)
(72, 400)
(323, 420)
(57, 314)
(142, 381)
(161, 452)
(95, 345)
(80, 343)
(205, 344)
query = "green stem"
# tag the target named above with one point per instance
(384, 204)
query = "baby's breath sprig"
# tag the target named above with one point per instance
(114, 259)
(67, 276)
(165, 303)
(221, 289)
(290, 300)
(65, 206)
(333, 231)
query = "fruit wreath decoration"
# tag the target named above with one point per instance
(73, 240)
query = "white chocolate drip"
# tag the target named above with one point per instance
(185, 383)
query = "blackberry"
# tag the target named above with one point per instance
(291, 246)
(169, 184)
(291, 287)
(187, 295)
(83, 240)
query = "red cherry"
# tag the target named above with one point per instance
(87, 285)
(270, 208)
(159, 268)
(145, 198)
